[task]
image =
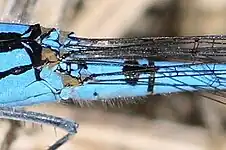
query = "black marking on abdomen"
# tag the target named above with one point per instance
(35, 52)
(12, 41)
(151, 80)
(8, 46)
(130, 71)
(34, 30)
(15, 71)
(33, 49)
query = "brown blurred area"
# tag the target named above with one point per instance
(176, 121)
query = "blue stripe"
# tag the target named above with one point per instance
(13, 28)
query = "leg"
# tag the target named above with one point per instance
(69, 126)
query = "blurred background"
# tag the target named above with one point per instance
(176, 121)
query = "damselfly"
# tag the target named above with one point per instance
(40, 65)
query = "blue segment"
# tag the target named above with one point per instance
(24, 90)
(52, 78)
(15, 58)
(52, 40)
(13, 28)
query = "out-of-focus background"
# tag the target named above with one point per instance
(177, 121)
